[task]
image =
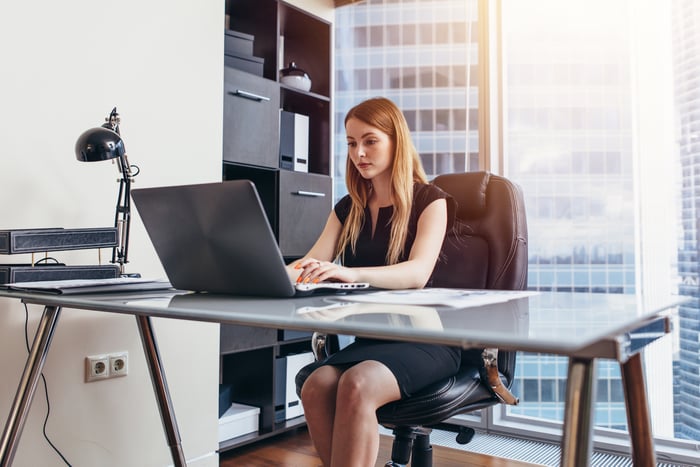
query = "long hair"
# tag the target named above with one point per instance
(406, 169)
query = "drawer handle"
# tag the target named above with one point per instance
(313, 194)
(249, 95)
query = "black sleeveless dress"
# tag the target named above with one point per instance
(414, 365)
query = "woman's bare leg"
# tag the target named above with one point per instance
(318, 398)
(361, 390)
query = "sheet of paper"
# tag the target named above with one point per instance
(456, 298)
(118, 284)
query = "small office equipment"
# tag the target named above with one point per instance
(14, 241)
(13, 273)
(215, 237)
(44, 240)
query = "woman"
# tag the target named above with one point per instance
(387, 231)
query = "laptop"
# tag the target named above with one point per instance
(215, 237)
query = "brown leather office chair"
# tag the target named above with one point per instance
(487, 250)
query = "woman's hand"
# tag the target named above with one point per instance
(314, 271)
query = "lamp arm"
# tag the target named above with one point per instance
(122, 215)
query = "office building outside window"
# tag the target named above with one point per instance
(568, 128)
(423, 55)
(686, 47)
(575, 108)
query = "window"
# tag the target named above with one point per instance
(426, 62)
(587, 117)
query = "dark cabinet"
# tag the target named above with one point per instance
(251, 119)
(303, 210)
(297, 204)
(262, 37)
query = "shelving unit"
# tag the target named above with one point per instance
(248, 358)
(296, 203)
(282, 34)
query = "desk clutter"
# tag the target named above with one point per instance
(44, 240)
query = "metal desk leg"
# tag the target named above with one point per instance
(160, 387)
(638, 422)
(578, 413)
(27, 385)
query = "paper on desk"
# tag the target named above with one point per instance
(75, 286)
(455, 298)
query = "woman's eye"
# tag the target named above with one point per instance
(352, 144)
(371, 141)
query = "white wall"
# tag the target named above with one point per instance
(64, 65)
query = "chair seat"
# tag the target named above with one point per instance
(439, 401)
(432, 404)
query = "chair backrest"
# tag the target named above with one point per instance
(491, 235)
(488, 247)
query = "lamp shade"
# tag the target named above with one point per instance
(99, 144)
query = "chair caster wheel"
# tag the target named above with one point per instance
(465, 434)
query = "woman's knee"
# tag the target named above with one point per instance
(370, 383)
(355, 385)
(322, 383)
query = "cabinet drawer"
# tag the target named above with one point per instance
(304, 204)
(251, 119)
(236, 338)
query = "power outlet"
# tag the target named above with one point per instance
(106, 366)
(119, 364)
(96, 368)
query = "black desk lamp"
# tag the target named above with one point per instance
(105, 143)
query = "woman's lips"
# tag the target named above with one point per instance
(363, 165)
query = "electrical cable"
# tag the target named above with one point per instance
(46, 260)
(46, 390)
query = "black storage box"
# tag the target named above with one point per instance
(238, 43)
(250, 64)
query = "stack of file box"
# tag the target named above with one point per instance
(42, 241)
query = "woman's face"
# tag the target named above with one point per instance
(370, 149)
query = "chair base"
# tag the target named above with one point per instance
(411, 444)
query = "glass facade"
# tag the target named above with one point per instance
(567, 128)
(570, 138)
(423, 55)
(686, 46)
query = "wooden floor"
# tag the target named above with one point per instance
(294, 449)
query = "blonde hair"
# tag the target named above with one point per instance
(406, 169)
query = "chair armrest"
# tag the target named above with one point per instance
(318, 345)
(491, 376)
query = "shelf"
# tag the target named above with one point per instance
(250, 438)
(296, 203)
(304, 93)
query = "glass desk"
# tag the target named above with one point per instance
(583, 327)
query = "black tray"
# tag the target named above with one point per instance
(57, 239)
(10, 273)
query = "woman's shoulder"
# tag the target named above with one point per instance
(426, 193)
(342, 208)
